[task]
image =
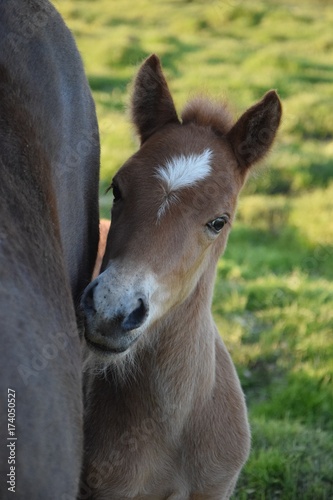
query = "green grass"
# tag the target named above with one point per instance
(273, 299)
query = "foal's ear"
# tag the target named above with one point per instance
(252, 135)
(152, 104)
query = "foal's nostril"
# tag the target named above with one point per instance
(87, 301)
(136, 317)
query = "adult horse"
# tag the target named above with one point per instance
(167, 418)
(49, 164)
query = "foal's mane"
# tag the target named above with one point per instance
(206, 112)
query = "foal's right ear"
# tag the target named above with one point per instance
(152, 104)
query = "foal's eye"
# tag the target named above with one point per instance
(116, 193)
(217, 224)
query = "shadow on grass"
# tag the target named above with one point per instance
(301, 397)
(103, 83)
(177, 50)
(110, 91)
(294, 179)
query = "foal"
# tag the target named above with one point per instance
(168, 418)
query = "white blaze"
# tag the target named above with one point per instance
(183, 171)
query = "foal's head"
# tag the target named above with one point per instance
(174, 202)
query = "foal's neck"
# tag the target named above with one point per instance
(184, 360)
(177, 371)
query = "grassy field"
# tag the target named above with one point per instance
(274, 292)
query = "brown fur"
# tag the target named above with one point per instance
(166, 419)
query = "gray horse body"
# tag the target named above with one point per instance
(49, 164)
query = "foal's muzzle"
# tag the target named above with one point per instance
(112, 322)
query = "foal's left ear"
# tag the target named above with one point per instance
(152, 104)
(253, 134)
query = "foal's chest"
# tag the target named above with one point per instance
(138, 456)
(143, 468)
